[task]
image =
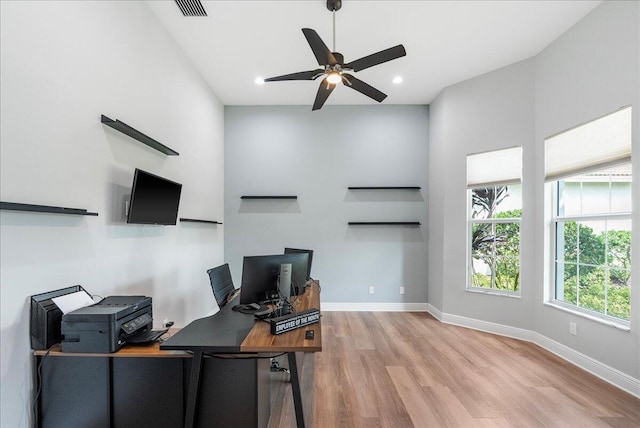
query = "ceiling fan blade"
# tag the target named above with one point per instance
(320, 50)
(363, 88)
(324, 90)
(302, 75)
(377, 58)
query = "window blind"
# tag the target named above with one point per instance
(598, 144)
(496, 167)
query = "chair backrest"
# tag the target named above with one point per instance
(221, 283)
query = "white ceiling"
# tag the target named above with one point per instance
(446, 42)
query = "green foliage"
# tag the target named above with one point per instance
(580, 242)
(508, 252)
(606, 288)
(479, 280)
(619, 256)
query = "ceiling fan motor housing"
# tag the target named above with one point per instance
(339, 57)
(334, 5)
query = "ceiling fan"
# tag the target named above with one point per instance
(334, 69)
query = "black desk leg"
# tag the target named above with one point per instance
(295, 388)
(194, 386)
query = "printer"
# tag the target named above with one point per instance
(107, 325)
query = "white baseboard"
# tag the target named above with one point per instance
(489, 327)
(601, 370)
(595, 367)
(374, 307)
(437, 313)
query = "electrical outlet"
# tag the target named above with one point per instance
(573, 328)
(371, 290)
(401, 290)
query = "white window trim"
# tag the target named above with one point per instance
(591, 315)
(494, 292)
(470, 221)
(551, 220)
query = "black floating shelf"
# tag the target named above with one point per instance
(268, 197)
(137, 135)
(384, 223)
(13, 206)
(195, 220)
(386, 188)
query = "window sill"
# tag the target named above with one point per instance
(619, 325)
(511, 294)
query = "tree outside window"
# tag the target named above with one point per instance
(494, 230)
(593, 242)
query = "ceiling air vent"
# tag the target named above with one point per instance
(191, 7)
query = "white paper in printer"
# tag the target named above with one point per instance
(73, 301)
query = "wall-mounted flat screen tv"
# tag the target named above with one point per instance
(154, 200)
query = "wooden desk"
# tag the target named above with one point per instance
(260, 338)
(231, 332)
(154, 385)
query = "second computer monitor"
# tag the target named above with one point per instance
(298, 251)
(260, 276)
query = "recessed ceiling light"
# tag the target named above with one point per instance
(397, 80)
(259, 80)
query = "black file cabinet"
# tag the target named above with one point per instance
(122, 391)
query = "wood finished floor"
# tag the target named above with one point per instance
(406, 369)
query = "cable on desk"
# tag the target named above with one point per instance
(39, 390)
(162, 339)
(285, 300)
(296, 286)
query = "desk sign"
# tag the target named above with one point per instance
(292, 321)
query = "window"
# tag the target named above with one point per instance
(495, 209)
(591, 221)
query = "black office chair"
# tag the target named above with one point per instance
(222, 284)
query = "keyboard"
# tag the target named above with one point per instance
(148, 336)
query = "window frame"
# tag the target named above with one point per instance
(554, 221)
(469, 259)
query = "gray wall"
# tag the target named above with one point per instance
(590, 71)
(316, 156)
(64, 64)
(489, 112)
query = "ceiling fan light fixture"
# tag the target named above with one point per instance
(334, 77)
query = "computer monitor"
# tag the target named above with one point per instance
(260, 276)
(299, 250)
(221, 284)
